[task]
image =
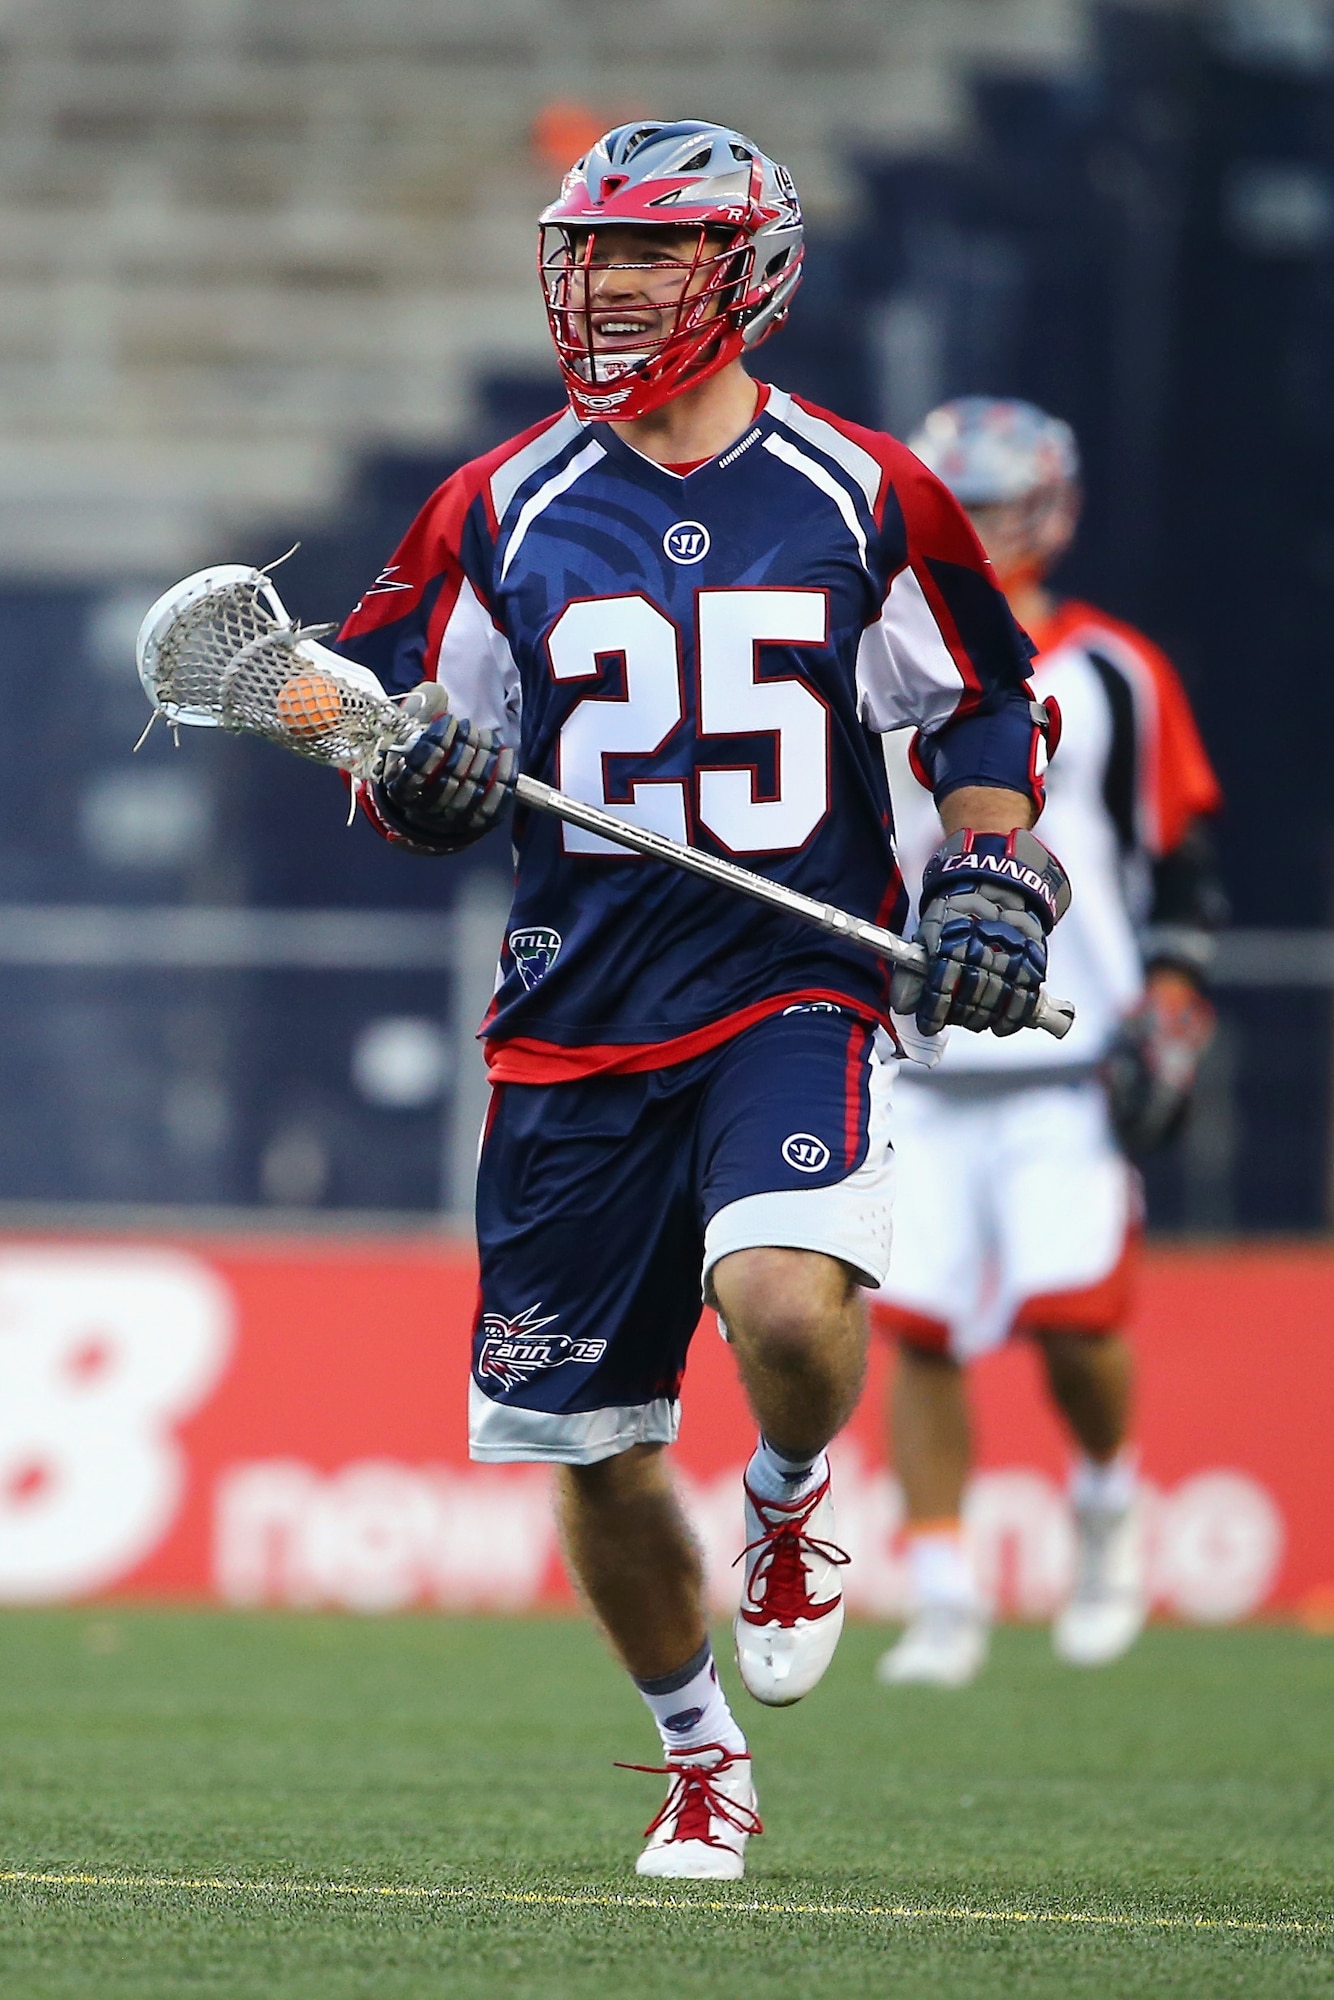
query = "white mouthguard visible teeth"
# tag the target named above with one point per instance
(610, 366)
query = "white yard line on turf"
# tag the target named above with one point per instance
(580, 1900)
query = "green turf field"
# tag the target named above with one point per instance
(326, 1806)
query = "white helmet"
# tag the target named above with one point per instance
(989, 450)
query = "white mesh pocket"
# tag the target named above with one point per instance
(220, 649)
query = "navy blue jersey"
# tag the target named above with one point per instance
(712, 654)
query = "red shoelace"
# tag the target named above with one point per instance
(693, 1796)
(777, 1590)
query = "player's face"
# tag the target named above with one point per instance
(1024, 538)
(632, 282)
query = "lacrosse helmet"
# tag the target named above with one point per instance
(990, 451)
(739, 284)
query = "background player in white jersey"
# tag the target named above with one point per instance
(696, 600)
(1017, 1211)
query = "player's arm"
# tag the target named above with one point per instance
(1151, 1067)
(1188, 907)
(425, 629)
(986, 809)
(947, 656)
(1150, 1070)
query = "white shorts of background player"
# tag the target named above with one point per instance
(1007, 1197)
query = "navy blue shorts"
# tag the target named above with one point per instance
(603, 1204)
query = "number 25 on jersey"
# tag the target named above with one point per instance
(732, 701)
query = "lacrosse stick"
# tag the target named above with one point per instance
(219, 650)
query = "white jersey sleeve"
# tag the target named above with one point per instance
(907, 677)
(945, 645)
(1128, 773)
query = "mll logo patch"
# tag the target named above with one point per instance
(687, 542)
(514, 1350)
(535, 951)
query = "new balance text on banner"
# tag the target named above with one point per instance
(265, 1423)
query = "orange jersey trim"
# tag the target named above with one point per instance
(524, 1060)
(1093, 1309)
(1100, 1308)
(1178, 782)
(916, 1329)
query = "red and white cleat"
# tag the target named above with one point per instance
(792, 1607)
(711, 1811)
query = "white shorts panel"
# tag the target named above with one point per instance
(501, 1434)
(850, 1221)
(1071, 1202)
(1003, 1198)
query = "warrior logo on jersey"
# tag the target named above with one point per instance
(514, 1350)
(806, 1153)
(687, 542)
(535, 950)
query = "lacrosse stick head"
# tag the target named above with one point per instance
(219, 650)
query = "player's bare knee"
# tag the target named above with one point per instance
(783, 1305)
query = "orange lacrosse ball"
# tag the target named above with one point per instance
(310, 704)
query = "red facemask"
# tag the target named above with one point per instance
(698, 332)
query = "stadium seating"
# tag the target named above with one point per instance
(238, 241)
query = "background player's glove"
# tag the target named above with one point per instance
(988, 901)
(1150, 1069)
(452, 782)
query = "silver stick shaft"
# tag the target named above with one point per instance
(1055, 1017)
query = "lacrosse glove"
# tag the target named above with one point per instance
(1150, 1069)
(988, 902)
(452, 782)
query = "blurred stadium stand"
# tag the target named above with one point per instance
(267, 271)
(241, 239)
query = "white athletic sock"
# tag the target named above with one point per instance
(690, 1707)
(1105, 1489)
(770, 1476)
(939, 1571)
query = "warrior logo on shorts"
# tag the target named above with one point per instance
(535, 952)
(806, 1153)
(687, 542)
(514, 1350)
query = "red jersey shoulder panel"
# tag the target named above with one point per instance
(431, 547)
(937, 525)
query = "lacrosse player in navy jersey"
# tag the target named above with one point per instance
(697, 601)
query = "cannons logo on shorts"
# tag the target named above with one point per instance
(512, 1351)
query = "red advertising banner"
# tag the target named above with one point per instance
(260, 1422)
